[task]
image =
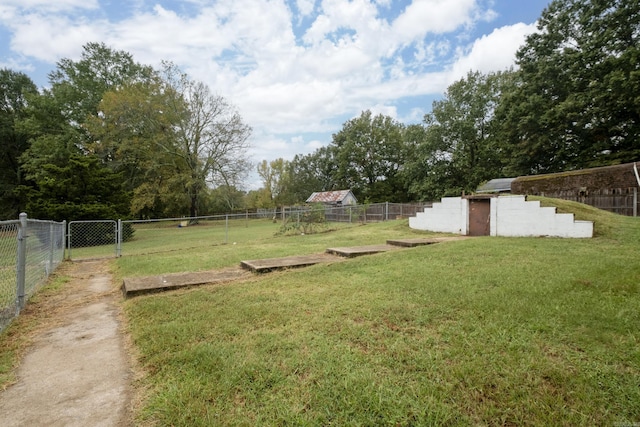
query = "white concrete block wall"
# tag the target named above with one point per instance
(514, 216)
(448, 216)
(509, 216)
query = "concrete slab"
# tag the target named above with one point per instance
(270, 264)
(136, 285)
(355, 251)
(411, 243)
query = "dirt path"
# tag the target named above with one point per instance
(77, 371)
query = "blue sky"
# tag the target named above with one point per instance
(295, 69)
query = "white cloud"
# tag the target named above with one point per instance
(352, 57)
(305, 7)
(433, 16)
(492, 52)
(386, 110)
(49, 39)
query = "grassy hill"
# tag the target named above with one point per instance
(487, 331)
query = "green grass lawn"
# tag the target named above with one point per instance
(486, 331)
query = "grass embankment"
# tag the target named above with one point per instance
(516, 331)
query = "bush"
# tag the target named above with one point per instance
(309, 221)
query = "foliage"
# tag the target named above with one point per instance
(369, 153)
(210, 136)
(306, 221)
(311, 173)
(80, 85)
(70, 181)
(225, 198)
(277, 182)
(74, 186)
(15, 90)
(145, 143)
(358, 213)
(461, 147)
(133, 135)
(575, 104)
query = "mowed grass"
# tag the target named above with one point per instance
(486, 331)
(157, 250)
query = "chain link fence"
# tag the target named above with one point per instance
(142, 237)
(30, 250)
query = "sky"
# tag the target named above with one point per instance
(296, 70)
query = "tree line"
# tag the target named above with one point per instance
(572, 102)
(114, 138)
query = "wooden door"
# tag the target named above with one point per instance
(479, 217)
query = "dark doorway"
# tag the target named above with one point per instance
(479, 217)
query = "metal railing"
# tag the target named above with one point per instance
(30, 250)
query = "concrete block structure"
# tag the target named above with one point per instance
(499, 216)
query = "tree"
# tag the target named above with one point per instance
(312, 172)
(276, 179)
(210, 137)
(370, 152)
(81, 84)
(61, 140)
(133, 133)
(225, 199)
(77, 187)
(461, 147)
(15, 90)
(576, 103)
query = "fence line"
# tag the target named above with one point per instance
(138, 237)
(30, 250)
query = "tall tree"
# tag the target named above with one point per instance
(81, 84)
(133, 133)
(276, 179)
(60, 138)
(370, 152)
(15, 90)
(461, 147)
(211, 139)
(576, 104)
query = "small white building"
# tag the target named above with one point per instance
(499, 216)
(334, 198)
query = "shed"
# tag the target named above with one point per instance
(338, 197)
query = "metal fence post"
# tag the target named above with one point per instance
(226, 229)
(635, 201)
(22, 260)
(69, 240)
(64, 234)
(119, 239)
(52, 248)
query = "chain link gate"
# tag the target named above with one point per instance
(92, 239)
